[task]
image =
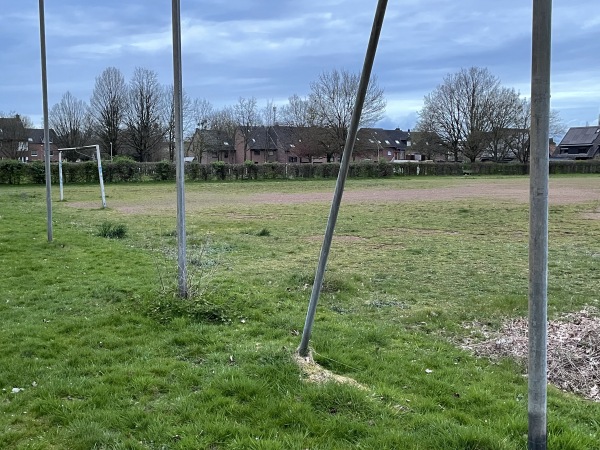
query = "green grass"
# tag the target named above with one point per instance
(110, 358)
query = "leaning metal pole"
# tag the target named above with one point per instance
(538, 225)
(341, 180)
(46, 127)
(180, 168)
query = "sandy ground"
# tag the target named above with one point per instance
(561, 191)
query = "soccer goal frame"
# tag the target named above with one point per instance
(99, 161)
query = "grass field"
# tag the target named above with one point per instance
(97, 352)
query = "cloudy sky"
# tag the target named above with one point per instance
(272, 49)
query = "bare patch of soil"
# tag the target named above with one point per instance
(314, 373)
(562, 191)
(573, 349)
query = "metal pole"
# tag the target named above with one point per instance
(60, 176)
(538, 225)
(100, 176)
(180, 169)
(341, 180)
(46, 128)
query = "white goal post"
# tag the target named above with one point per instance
(98, 159)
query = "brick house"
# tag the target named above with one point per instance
(377, 144)
(286, 144)
(208, 146)
(35, 145)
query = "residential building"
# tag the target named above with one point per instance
(35, 145)
(208, 146)
(286, 144)
(391, 145)
(13, 139)
(579, 143)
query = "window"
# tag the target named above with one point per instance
(34, 153)
(256, 152)
(293, 159)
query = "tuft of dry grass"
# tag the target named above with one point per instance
(314, 373)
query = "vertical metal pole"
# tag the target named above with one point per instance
(180, 168)
(538, 225)
(46, 128)
(60, 175)
(341, 180)
(100, 176)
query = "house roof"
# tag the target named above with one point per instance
(378, 137)
(11, 128)
(285, 137)
(581, 136)
(36, 135)
(217, 140)
(581, 141)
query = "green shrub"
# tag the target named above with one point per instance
(112, 231)
(219, 169)
(164, 171)
(37, 172)
(11, 171)
(122, 168)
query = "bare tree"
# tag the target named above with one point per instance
(202, 113)
(269, 114)
(332, 99)
(477, 91)
(518, 138)
(297, 112)
(72, 123)
(310, 140)
(188, 118)
(469, 112)
(107, 107)
(145, 113)
(247, 117)
(216, 131)
(503, 118)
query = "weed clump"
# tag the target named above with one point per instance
(112, 230)
(165, 308)
(264, 232)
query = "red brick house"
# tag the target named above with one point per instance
(35, 145)
(285, 145)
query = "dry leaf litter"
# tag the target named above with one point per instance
(573, 349)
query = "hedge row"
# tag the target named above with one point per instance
(14, 172)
